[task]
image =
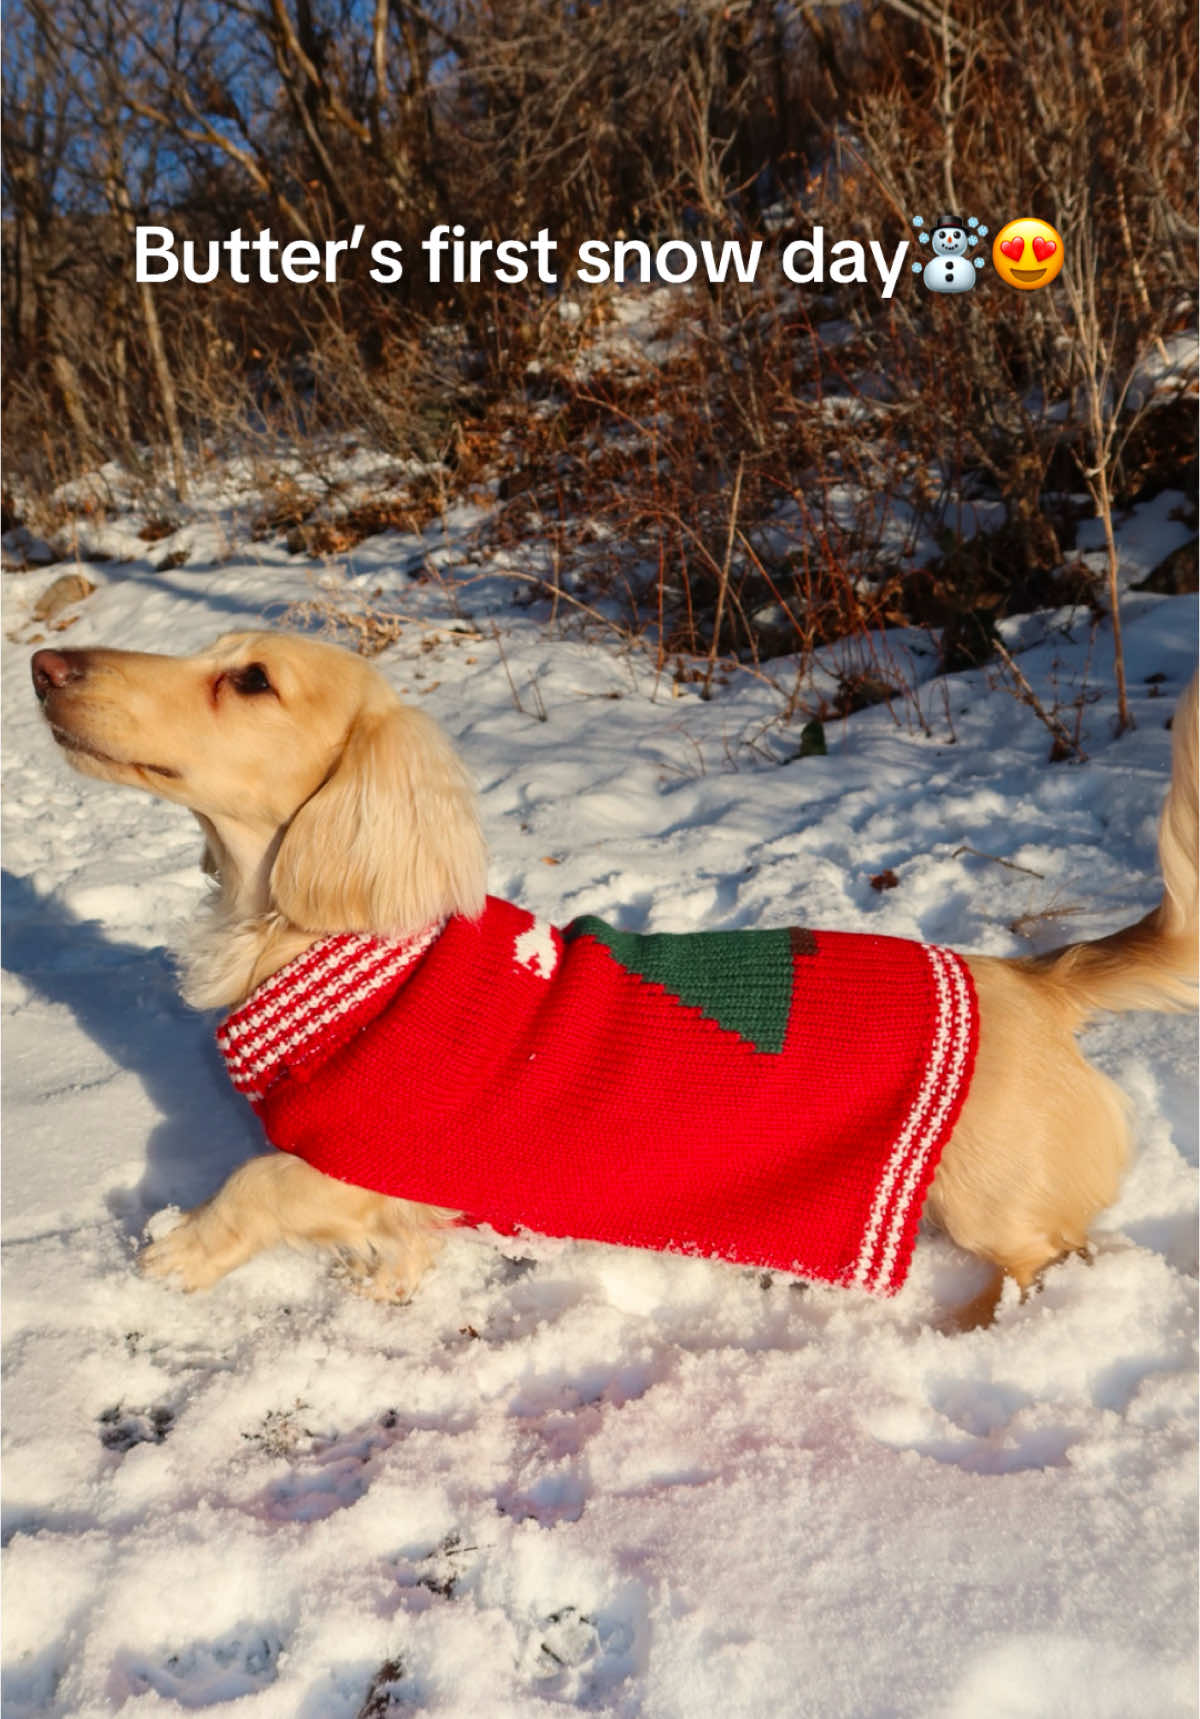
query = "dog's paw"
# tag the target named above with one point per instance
(380, 1280)
(181, 1255)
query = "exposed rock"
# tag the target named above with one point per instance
(67, 589)
(21, 549)
(1176, 574)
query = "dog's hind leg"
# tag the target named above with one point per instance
(1043, 1136)
(1041, 1143)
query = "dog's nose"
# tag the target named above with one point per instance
(54, 669)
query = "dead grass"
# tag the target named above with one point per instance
(364, 624)
(798, 471)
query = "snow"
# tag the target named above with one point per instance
(1167, 369)
(569, 1477)
(1148, 534)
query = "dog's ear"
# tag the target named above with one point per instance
(391, 841)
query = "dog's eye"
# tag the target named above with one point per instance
(251, 679)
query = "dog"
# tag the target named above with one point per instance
(339, 823)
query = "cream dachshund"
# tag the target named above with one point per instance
(328, 806)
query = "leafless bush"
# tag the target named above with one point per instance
(761, 489)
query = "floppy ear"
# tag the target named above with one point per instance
(391, 840)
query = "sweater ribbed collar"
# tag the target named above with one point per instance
(315, 1003)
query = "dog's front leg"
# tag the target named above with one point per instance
(279, 1198)
(248, 1214)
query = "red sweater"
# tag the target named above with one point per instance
(778, 1098)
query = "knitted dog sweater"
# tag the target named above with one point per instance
(778, 1098)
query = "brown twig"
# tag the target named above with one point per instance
(1012, 865)
(723, 580)
(1023, 925)
(1066, 744)
(539, 712)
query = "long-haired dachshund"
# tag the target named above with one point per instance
(329, 808)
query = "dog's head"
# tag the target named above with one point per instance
(323, 798)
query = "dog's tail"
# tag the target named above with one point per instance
(1153, 964)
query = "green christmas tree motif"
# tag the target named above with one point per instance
(742, 980)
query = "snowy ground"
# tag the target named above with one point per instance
(567, 1477)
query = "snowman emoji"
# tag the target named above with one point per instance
(949, 269)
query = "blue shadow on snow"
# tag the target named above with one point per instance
(126, 999)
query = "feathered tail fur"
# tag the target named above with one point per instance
(1152, 964)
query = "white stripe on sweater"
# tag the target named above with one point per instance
(943, 1076)
(955, 1069)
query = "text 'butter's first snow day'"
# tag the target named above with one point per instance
(446, 256)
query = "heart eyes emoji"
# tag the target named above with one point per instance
(1011, 254)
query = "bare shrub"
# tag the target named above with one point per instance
(799, 467)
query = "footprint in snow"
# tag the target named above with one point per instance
(390, 1694)
(439, 1571)
(978, 1426)
(204, 1673)
(577, 1657)
(121, 1428)
(329, 1473)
